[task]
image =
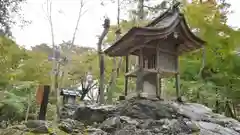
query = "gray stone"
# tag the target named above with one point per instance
(95, 131)
(111, 124)
(147, 117)
(37, 126)
(129, 120)
(91, 114)
(67, 111)
(146, 109)
(198, 112)
(211, 128)
(70, 126)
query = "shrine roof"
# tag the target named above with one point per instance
(159, 29)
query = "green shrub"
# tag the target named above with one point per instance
(12, 107)
(14, 102)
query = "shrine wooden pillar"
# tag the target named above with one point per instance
(126, 71)
(158, 88)
(177, 76)
(139, 81)
(178, 91)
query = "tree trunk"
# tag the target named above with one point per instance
(203, 53)
(141, 9)
(217, 103)
(57, 92)
(228, 110)
(28, 108)
(54, 68)
(140, 18)
(116, 67)
(234, 108)
(118, 34)
(217, 106)
(106, 26)
(203, 60)
(112, 82)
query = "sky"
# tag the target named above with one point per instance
(64, 16)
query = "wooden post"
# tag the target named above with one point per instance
(178, 91)
(141, 59)
(43, 108)
(126, 77)
(158, 88)
(177, 78)
(139, 82)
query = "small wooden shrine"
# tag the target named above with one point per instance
(69, 96)
(157, 46)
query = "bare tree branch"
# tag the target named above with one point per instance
(80, 14)
(106, 26)
(55, 67)
(114, 74)
(93, 86)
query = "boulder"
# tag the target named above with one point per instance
(95, 131)
(147, 117)
(113, 124)
(146, 109)
(10, 131)
(212, 128)
(91, 114)
(67, 111)
(71, 126)
(37, 126)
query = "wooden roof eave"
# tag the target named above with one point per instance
(187, 30)
(109, 49)
(153, 23)
(142, 34)
(164, 15)
(147, 33)
(192, 42)
(140, 30)
(160, 34)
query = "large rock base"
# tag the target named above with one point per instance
(137, 117)
(147, 117)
